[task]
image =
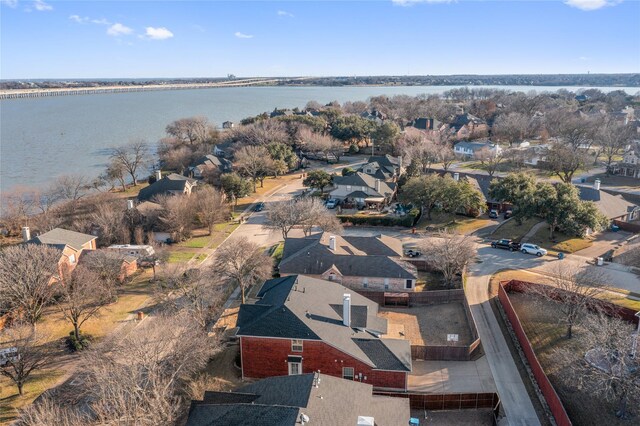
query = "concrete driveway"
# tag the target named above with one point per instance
(604, 242)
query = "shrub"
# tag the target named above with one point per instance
(76, 345)
(409, 220)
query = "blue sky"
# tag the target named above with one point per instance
(135, 39)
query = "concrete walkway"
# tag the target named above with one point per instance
(534, 229)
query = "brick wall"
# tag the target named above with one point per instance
(266, 357)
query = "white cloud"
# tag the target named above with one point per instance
(285, 14)
(160, 33)
(101, 21)
(10, 3)
(242, 35)
(591, 4)
(584, 58)
(41, 6)
(85, 20)
(118, 29)
(412, 2)
(79, 19)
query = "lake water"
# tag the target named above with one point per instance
(41, 138)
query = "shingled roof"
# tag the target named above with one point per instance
(168, 184)
(612, 206)
(300, 307)
(280, 401)
(354, 256)
(60, 238)
(362, 179)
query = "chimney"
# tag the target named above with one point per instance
(26, 233)
(456, 176)
(346, 309)
(332, 243)
(158, 174)
(377, 185)
(399, 161)
(129, 204)
(596, 184)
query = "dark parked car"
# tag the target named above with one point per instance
(506, 244)
(508, 214)
(259, 207)
(412, 252)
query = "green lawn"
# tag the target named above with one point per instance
(514, 231)
(561, 242)
(197, 242)
(276, 252)
(180, 256)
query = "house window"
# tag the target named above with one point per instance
(347, 373)
(348, 187)
(332, 277)
(386, 283)
(365, 282)
(408, 284)
(295, 365)
(296, 345)
(72, 259)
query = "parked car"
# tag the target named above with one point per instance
(259, 207)
(533, 249)
(331, 203)
(412, 252)
(508, 214)
(493, 214)
(506, 244)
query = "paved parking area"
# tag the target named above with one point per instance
(603, 243)
(438, 377)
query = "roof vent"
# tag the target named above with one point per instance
(158, 174)
(346, 309)
(26, 234)
(304, 419)
(332, 243)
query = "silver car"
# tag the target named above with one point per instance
(533, 249)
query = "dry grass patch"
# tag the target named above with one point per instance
(514, 231)
(560, 243)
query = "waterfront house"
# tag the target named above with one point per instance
(367, 263)
(70, 243)
(315, 398)
(173, 184)
(303, 325)
(209, 164)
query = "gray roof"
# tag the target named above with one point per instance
(279, 401)
(612, 206)
(169, 183)
(211, 160)
(362, 179)
(474, 146)
(300, 307)
(354, 256)
(59, 237)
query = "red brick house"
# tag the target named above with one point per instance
(70, 243)
(303, 325)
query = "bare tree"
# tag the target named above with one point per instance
(449, 254)
(193, 130)
(610, 366)
(192, 291)
(573, 290)
(15, 208)
(243, 263)
(109, 217)
(131, 157)
(178, 215)
(284, 216)
(106, 265)
(314, 214)
(613, 137)
(30, 353)
(81, 295)
(26, 273)
(141, 378)
(512, 127)
(116, 172)
(47, 412)
(254, 162)
(210, 207)
(490, 160)
(564, 162)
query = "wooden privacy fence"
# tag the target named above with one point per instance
(418, 298)
(626, 226)
(456, 401)
(547, 389)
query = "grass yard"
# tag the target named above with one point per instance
(276, 252)
(180, 256)
(131, 298)
(540, 320)
(560, 243)
(429, 281)
(459, 223)
(514, 231)
(197, 242)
